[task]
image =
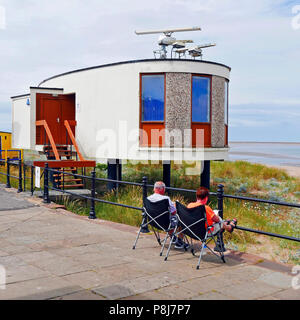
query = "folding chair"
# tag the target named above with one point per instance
(157, 215)
(191, 222)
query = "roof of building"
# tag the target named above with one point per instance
(133, 61)
(20, 96)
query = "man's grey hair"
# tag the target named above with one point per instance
(159, 185)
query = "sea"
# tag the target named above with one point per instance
(270, 153)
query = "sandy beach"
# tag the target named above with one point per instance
(282, 155)
(291, 170)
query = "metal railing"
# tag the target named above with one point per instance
(12, 154)
(22, 169)
(144, 185)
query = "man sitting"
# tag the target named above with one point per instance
(202, 194)
(159, 194)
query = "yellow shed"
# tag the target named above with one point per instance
(5, 147)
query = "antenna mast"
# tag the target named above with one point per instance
(166, 40)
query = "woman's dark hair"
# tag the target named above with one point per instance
(202, 193)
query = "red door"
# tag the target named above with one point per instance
(67, 113)
(54, 109)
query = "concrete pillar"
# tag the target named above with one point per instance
(205, 175)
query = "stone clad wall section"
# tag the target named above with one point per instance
(178, 106)
(217, 109)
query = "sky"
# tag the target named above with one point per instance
(258, 39)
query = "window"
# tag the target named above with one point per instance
(226, 102)
(153, 97)
(200, 99)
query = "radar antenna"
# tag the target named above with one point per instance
(166, 40)
(197, 50)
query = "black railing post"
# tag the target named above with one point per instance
(8, 173)
(24, 177)
(145, 193)
(20, 176)
(220, 197)
(93, 193)
(46, 184)
(31, 179)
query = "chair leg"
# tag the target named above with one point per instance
(222, 251)
(164, 243)
(137, 238)
(156, 236)
(166, 257)
(201, 252)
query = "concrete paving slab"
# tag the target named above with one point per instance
(248, 290)
(11, 201)
(150, 295)
(61, 266)
(15, 249)
(136, 286)
(80, 295)
(277, 279)
(24, 273)
(51, 253)
(289, 294)
(3, 253)
(245, 273)
(38, 289)
(207, 283)
(11, 261)
(115, 291)
(89, 279)
(212, 295)
(99, 260)
(126, 271)
(176, 292)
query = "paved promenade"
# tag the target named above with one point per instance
(50, 253)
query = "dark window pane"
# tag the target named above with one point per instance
(153, 98)
(201, 99)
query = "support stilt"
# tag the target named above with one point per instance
(114, 172)
(205, 175)
(167, 173)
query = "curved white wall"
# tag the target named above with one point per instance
(110, 94)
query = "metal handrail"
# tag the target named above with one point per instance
(44, 124)
(67, 124)
(220, 195)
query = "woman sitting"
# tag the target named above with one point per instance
(202, 194)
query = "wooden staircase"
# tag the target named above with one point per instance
(64, 180)
(63, 158)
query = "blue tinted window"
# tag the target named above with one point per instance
(153, 98)
(201, 99)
